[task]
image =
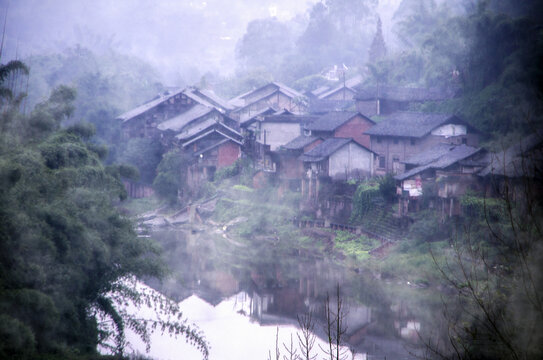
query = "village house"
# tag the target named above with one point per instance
(320, 107)
(517, 170)
(277, 130)
(210, 151)
(342, 124)
(401, 135)
(346, 90)
(444, 173)
(335, 159)
(210, 139)
(383, 100)
(143, 120)
(290, 168)
(273, 95)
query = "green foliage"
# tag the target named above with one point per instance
(387, 187)
(171, 175)
(354, 246)
(363, 200)
(478, 207)
(428, 228)
(64, 248)
(241, 167)
(143, 153)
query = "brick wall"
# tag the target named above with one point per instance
(355, 128)
(229, 152)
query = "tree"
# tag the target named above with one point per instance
(65, 251)
(378, 48)
(171, 175)
(494, 273)
(265, 44)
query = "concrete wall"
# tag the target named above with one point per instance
(277, 134)
(368, 107)
(350, 161)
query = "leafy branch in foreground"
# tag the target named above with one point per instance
(125, 308)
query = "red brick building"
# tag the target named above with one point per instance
(342, 124)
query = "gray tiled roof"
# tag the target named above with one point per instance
(332, 120)
(349, 84)
(321, 106)
(520, 160)
(455, 154)
(320, 90)
(215, 99)
(409, 124)
(148, 105)
(300, 142)
(430, 155)
(263, 92)
(299, 119)
(324, 149)
(398, 93)
(202, 97)
(177, 123)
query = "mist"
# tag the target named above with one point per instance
(179, 38)
(367, 172)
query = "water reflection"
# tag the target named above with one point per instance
(266, 285)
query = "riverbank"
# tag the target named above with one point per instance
(244, 239)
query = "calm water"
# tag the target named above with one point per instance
(239, 296)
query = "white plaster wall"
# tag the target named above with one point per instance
(450, 130)
(278, 134)
(350, 158)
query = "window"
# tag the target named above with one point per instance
(395, 141)
(464, 141)
(378, 140)
(413, 142)
(382, 162)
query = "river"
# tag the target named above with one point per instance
(239, 295)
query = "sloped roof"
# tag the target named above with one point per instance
(203, 97)
(250, 97)
(523, 159)
(349, 84)
(208, 125)
(299, 119)
(213, 146)
(426, 157)
(214, 99)
(252, 118)
(327, 148)
(300, 142)
(455, 154)
(177, 123)
(320, 106)
(148, 105)
(399, 93)
(320, 90)
(333, 120)
(410, 124)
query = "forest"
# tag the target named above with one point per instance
(69, 250)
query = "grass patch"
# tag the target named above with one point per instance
(355, 246)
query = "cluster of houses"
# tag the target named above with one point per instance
(330, 134)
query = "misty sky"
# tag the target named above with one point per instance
(174, 35)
